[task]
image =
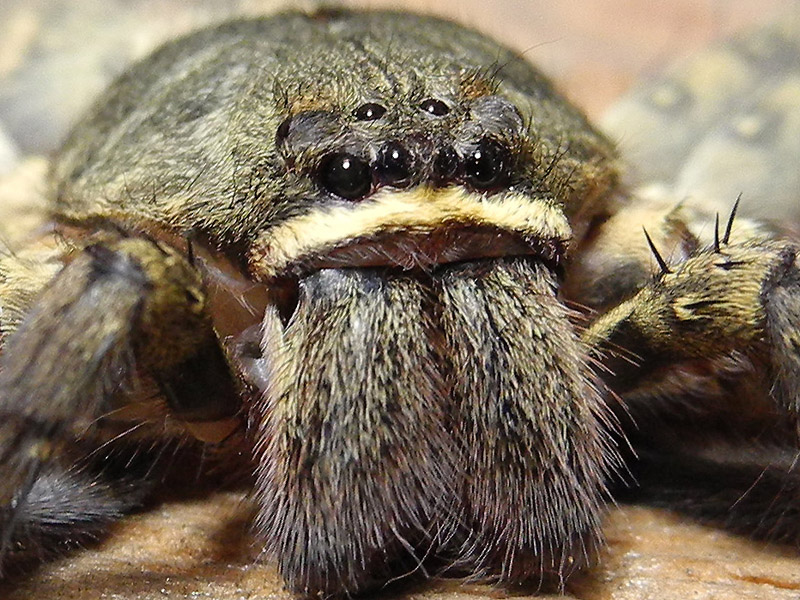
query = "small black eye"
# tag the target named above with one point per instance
(446, 163)
(393, 166)
(371, 111)
(345, 175)
(283, 131)
(435, 107)
(487, 164)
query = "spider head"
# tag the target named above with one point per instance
(411, 183)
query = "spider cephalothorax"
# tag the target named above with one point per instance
(355, 226)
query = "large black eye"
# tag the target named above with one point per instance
(393, 166)
(487, 164)
(370, 111)
(345, 175)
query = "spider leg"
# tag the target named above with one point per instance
(743, 297)
(704, 353)
(119, 311)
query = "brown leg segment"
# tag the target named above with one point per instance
(118, 311)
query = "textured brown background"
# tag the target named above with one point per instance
(55, 55)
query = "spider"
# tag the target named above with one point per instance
(382, 253)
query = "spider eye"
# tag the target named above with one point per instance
(283, 131)
(446, 163)
(393, 166)
(435, 107)
(487, 164)
(371, 111)
(345, 175)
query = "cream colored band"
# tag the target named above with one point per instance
(417, 211)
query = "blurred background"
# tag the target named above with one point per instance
(56, 55)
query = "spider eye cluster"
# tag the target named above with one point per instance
(482, 166)
(474, 152)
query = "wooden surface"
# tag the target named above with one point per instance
(54, 56)
(200, 549)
